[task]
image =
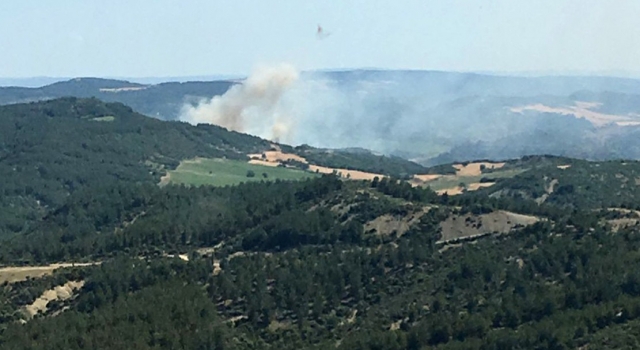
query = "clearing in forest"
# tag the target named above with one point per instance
(223, 172)
(13, 274)
(475, 169)
(59, 293)
(398, 225)
(346, 173)
(276, 158)
(469, 225)
(583, 110)
(468, 177)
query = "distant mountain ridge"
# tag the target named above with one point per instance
(431, 117)
(40, 81)
(437, 117)
(162, 101)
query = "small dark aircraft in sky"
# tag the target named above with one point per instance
(321, 34)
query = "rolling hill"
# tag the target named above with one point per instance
(430, 117)
(97, 253)
(324, 263)
(162, 101)
(53, 148)
(442, 117)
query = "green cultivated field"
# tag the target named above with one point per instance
(222, 172)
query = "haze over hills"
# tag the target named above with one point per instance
(429, 116)
(440, 117)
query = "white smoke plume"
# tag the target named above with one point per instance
(417, 114)
(279, 104)
(255, 106)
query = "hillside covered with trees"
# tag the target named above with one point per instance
(163, 101)
(322, 263)
(51, 149)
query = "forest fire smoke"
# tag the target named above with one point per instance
(387, 112)
(253, 106)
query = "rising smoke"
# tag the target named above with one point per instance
(255, 106)
(413, 114)
(280, 104)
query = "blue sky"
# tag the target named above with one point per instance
(144, 38)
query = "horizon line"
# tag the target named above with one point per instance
(620, 74)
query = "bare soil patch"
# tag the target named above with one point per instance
(453, 191)
(346, 173)
(426, 177)
(63, 292)
(469, 225)
(475, 169)
(277, 157)
(395, 325)
(468, 174)
(420, 180)
(582, 110)
(550, 188)
(389, 224)
(183, 257)
(456, 190)
(620, 224)
(20, 273)
(128, 88)
(164, 180)
(635, 213)
(478, 185)
(632, 220)
(216, 267)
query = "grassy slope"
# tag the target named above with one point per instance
(223, 172)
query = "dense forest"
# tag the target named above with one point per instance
(363, 160)
(51, 149)
(322, 263)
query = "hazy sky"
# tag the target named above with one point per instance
(178, 38)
